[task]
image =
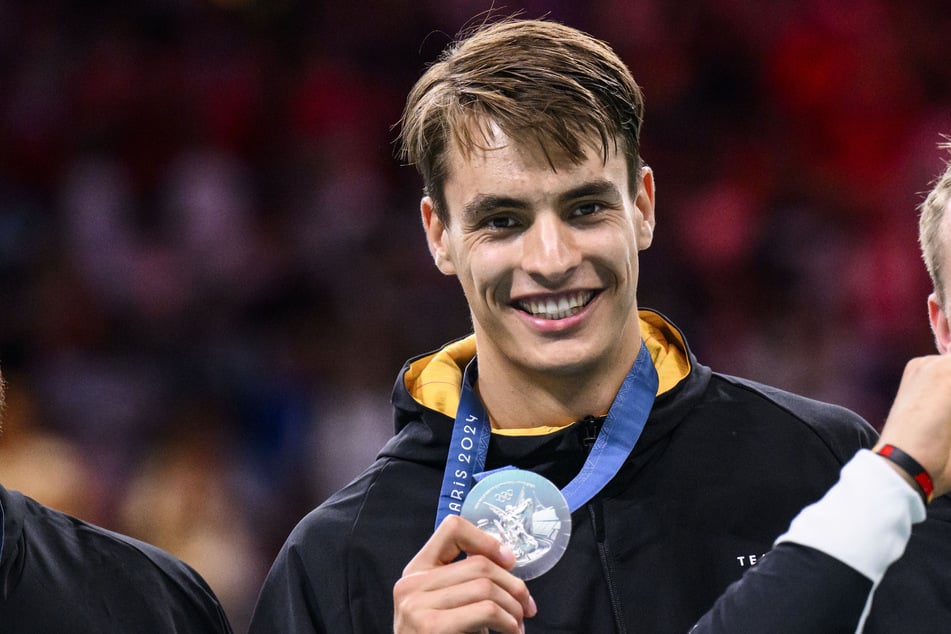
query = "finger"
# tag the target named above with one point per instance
(475, 574)
(453, 537)
(476, 591)
(477, 602)
(464, 596)
(474, 617)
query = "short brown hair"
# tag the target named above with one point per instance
(541, 82)
(930, 235)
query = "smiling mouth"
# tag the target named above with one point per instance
(556, 307)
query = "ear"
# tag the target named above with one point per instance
(939, 324)
(436, 236)
(645, 205)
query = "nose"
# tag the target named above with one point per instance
(550, 253)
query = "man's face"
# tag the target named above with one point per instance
(548, 260)
(937, 313)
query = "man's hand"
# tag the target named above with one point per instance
(919, 422)
(439, 594)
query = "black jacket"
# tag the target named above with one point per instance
(798, 589)
(721, 468)
(915, 595)
(59, 574)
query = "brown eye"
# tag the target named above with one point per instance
(586, 209)
(500, 222)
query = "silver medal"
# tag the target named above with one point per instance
(527, 513)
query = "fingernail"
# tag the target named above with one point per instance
(532, 608)
(507, 554)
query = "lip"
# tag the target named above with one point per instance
(573, 306)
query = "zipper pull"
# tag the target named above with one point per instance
(590, 427)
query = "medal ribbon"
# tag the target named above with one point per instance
(618, 435)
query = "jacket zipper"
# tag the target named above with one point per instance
(589, 430)
(596, 512)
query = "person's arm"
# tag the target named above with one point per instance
(821, 574)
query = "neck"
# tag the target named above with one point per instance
(517, 398)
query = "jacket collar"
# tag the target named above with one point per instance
(434, 380)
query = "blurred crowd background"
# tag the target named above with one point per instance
(211, 263)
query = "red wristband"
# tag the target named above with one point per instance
(912, 467)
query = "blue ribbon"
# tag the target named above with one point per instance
(619, 433)
(467, 448)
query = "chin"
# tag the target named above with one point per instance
(564, 364)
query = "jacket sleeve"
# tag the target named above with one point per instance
(794, 589)
(286, 602)
(821, 574)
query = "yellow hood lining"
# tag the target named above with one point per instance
(435, 380)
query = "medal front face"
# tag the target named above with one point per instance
(527, 513)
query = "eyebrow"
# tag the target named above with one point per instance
(599, 188)
(485, 203)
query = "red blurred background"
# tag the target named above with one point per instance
(211, 264)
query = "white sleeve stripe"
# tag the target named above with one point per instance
(865, 520)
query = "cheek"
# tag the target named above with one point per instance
(486, 266)
(619, 255)
(478, 281)
(943, 335)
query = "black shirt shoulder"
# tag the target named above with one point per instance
(840, 429)
(59, 573)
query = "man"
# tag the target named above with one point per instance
(934, 232)
(863, 524)
(526, 134)
(60, 574)
(915, 595)
(823, 573)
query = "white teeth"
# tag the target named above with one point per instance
(565, 306)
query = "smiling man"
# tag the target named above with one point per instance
(675, 478)
(548, 264)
